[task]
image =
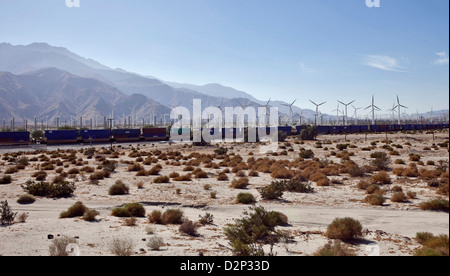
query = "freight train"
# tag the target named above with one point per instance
(53, 137)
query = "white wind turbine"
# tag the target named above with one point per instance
(266, 111)
(356, 113)
(346, 117)
(317, 110)
(337, 114)
(374, 107)
(399, 107)
(291, 112)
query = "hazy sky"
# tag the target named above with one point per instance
(323, 50)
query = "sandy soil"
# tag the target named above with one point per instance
(392, 227)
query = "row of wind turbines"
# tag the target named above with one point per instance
(373, 108)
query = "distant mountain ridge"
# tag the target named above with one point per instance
(48, 93)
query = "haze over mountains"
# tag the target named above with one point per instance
(45, 81)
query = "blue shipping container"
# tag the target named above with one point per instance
(19, 136)
(96, 134)
(61, 135)
(131, 133)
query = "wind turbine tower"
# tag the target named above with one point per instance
(374, 107)
(346, 106)
(291, 112)
(317, 110)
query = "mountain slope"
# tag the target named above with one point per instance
(52, 92)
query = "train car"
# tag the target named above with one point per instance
(364, 128)
(374, 128)
(355, 129)
(95, 135)
(323, 129)
(15, 138)
(299, 129)
(287, 130)
(337, 130)
(407, 127)
(61, 136)
(127, 135)
(155, 134)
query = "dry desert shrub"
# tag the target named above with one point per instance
(345, 229)
(222, 177)
(375, 200)
(399, 197)
(240, 183)
(381, 178)
(336, 249)
(199, 174)
(155, 243)
(122, 247)
(174, 175)
(119, 188)
(161, 180)
(135, 167)
(363, 185)
(188, 227)
(6, 179)
(155, 170)
(59, 246)
(155, 217)
(172, 216)
(438, 205)
(186, 177)
(76, 210)
(432, 245)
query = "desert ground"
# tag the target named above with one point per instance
(390, 226)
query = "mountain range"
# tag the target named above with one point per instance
(49, 82)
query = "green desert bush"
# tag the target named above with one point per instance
(6, 179)
(76, 210)
(245, 198)
(441, 205)
(432, 245)
(256, 227)
(26, 199)
(129, 210)
(119, 188)
(61, 189)
(273, 191)
(345, 229)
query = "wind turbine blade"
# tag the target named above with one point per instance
(293, 102)
(322, 103)
(313, 102)
(341, 102)
(351, 102)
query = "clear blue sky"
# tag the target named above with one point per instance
(323, 50)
